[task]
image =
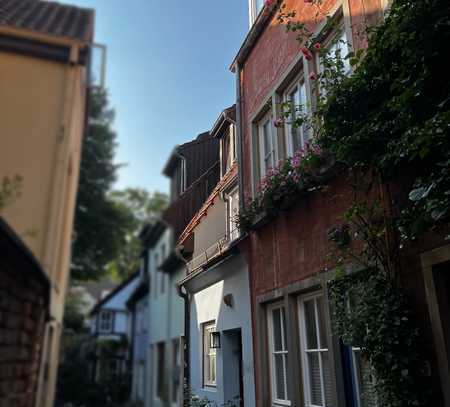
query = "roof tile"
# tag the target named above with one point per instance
(48, 17)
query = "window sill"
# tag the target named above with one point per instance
(286, 201)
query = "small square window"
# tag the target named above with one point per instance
(106, 321)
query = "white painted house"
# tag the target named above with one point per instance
(110, 321)
(220, 332)
(165, 318)
(138, 305)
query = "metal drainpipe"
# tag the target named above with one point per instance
(239, 135)
(187, 332)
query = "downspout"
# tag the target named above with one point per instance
(239, 136)
(187, 333)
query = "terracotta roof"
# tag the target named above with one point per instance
(48, 17)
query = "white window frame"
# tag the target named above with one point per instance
(232, 229)
(108, 322)
(263, 154)
(273, 352)
(207, 329)
(297, 84)
(319, 350)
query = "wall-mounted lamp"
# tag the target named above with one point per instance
(214, 340)
(228, 300)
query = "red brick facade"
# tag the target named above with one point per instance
(23, 310)
(294, 246)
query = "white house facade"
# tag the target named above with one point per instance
(165, 317)
(216, 280)
(110, 322)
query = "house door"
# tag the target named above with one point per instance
(233, 368)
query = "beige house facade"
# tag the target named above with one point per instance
(44, 77)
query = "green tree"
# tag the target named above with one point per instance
(140, 206)
(100, 225)
(107, 222)
(74, 317)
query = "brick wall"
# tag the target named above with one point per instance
(294, 245)
(23, 309)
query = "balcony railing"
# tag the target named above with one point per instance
(219, 247)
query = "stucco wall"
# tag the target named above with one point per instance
(211, 228)
(31, 115)
(207, 305)
(166, 318)
(42, 120)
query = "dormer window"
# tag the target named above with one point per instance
(178, 181)
(232, 213)
(228, 149)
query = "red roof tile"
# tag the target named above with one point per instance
(48, 17)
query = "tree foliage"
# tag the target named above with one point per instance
(100, 226)
(106, 221)
(141, 206)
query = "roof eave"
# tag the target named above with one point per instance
(253, 35)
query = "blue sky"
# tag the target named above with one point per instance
(167, 74)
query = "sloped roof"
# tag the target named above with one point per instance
(118, 288)
(48, 17)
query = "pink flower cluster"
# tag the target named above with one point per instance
(289, 173)
(269, 3)
(307, 53)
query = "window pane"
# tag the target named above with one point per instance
(322, 323)
(304, 128)
(314, 378)
(277, 334)
(310, 323)
(268, 145)
(280, 376)
(212, 368)
(327, 382)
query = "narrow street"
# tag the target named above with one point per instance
(224, 204)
